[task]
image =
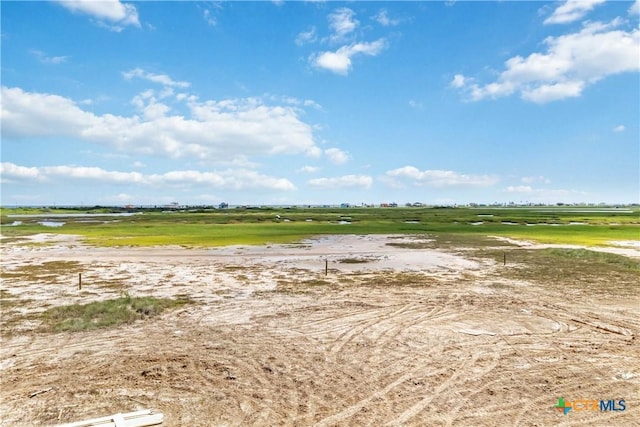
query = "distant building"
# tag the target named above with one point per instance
(223, 205)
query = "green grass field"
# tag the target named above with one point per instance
(108, 313)
(582, 226)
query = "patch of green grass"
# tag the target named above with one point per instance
(301, 286)
(586, 235)
(569, 271)
(354, 260)
(413, 245)
(585, 256)
(47, 272)
(399, 279)
(108, 313)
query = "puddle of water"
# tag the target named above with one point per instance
(51, 223)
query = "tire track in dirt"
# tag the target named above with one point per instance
(449, 383)
(373, 318)
(39, 349)
(353, 409)
(455, 412)
(587, 335)
(627, 327)
(389, 325)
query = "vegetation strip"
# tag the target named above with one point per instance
(101, 314)
(255, 226)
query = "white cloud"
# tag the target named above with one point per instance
(306, 37)
(339, 61)
(309, 169)
(415, 104)
(311, 103)
(459, 81)
(10, 172)
(296, 102)
(209, 18)
(40, 114)
(113, 11)
(635, 8)
(554, 91)
(239, 179)
(571, 63)
(217, 131)
(572, 10)
(336, 156)
(346, 181)
(342, 22)
(439, 178)
(619, 128)
(162, 79)
(519, 189)
(382, 17)
(42, 57)
(532, 179)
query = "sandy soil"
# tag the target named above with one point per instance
(401, 337)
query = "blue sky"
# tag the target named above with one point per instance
(110, 102)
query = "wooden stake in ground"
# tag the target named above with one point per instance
(35, 393)
(79, 281)
(132, 419)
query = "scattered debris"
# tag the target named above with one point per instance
(35, 393)
(142, 418)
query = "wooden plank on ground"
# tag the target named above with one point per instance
(142, 418)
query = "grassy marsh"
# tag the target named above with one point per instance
(268, 225)
(568, 270)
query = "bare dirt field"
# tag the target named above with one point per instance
(396, 333)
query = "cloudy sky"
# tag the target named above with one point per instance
(113, 102)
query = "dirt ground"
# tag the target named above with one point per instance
(391, 335)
